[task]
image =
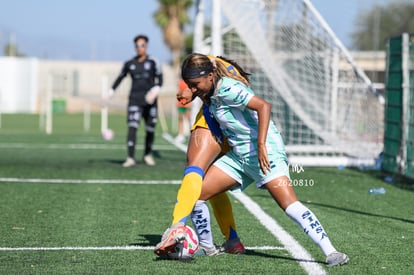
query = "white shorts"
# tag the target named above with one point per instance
(247, 170)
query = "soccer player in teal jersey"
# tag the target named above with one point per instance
(257, 153)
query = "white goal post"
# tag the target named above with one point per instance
(323, 103)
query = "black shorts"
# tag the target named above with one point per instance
(148, 112)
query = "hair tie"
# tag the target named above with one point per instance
(213, 61)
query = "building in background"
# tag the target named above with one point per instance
(26, 83)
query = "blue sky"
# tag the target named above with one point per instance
(104, 29)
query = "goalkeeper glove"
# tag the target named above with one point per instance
(152, 94)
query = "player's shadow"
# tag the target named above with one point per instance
(261, 254)
(147, 240)
(359, 212)
(349, 210)
(155, 153)
(115, 161)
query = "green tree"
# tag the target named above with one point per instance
(375, 26)
(172, 16)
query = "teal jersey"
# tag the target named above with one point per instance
(239, 123)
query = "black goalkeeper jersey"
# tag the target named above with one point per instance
(145, 75)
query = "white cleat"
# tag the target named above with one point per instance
(149, 160)
(129, 162)
(337, 259)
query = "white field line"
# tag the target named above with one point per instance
(129, 247)
(77, 146)
(291, 245)
(89, 181)
(171, 139)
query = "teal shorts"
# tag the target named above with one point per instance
(246, 170)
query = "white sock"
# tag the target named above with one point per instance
(311, 225)
(201, 221)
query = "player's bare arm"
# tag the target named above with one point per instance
(263, 109)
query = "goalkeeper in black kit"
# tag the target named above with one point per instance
(146, 75)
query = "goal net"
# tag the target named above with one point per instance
(323, 103)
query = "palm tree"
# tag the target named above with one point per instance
(171, 17)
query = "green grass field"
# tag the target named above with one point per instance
(68, 207)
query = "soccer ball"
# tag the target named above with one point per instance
(108, 134)
(185, 249)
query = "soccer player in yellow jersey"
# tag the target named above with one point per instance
(205, 145)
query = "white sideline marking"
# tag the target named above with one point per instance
(169, 138)
(86, 181)
(77, 248)
(77, 146)
(291, 245)
(129, 247)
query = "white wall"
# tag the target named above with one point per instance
(18, 84)
(24, 84)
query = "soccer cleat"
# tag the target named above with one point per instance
(208, 251)
(129, 162)
(233, 246)
(149, 160)
(170, 238)
(337, 259)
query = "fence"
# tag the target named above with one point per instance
(399, 108)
